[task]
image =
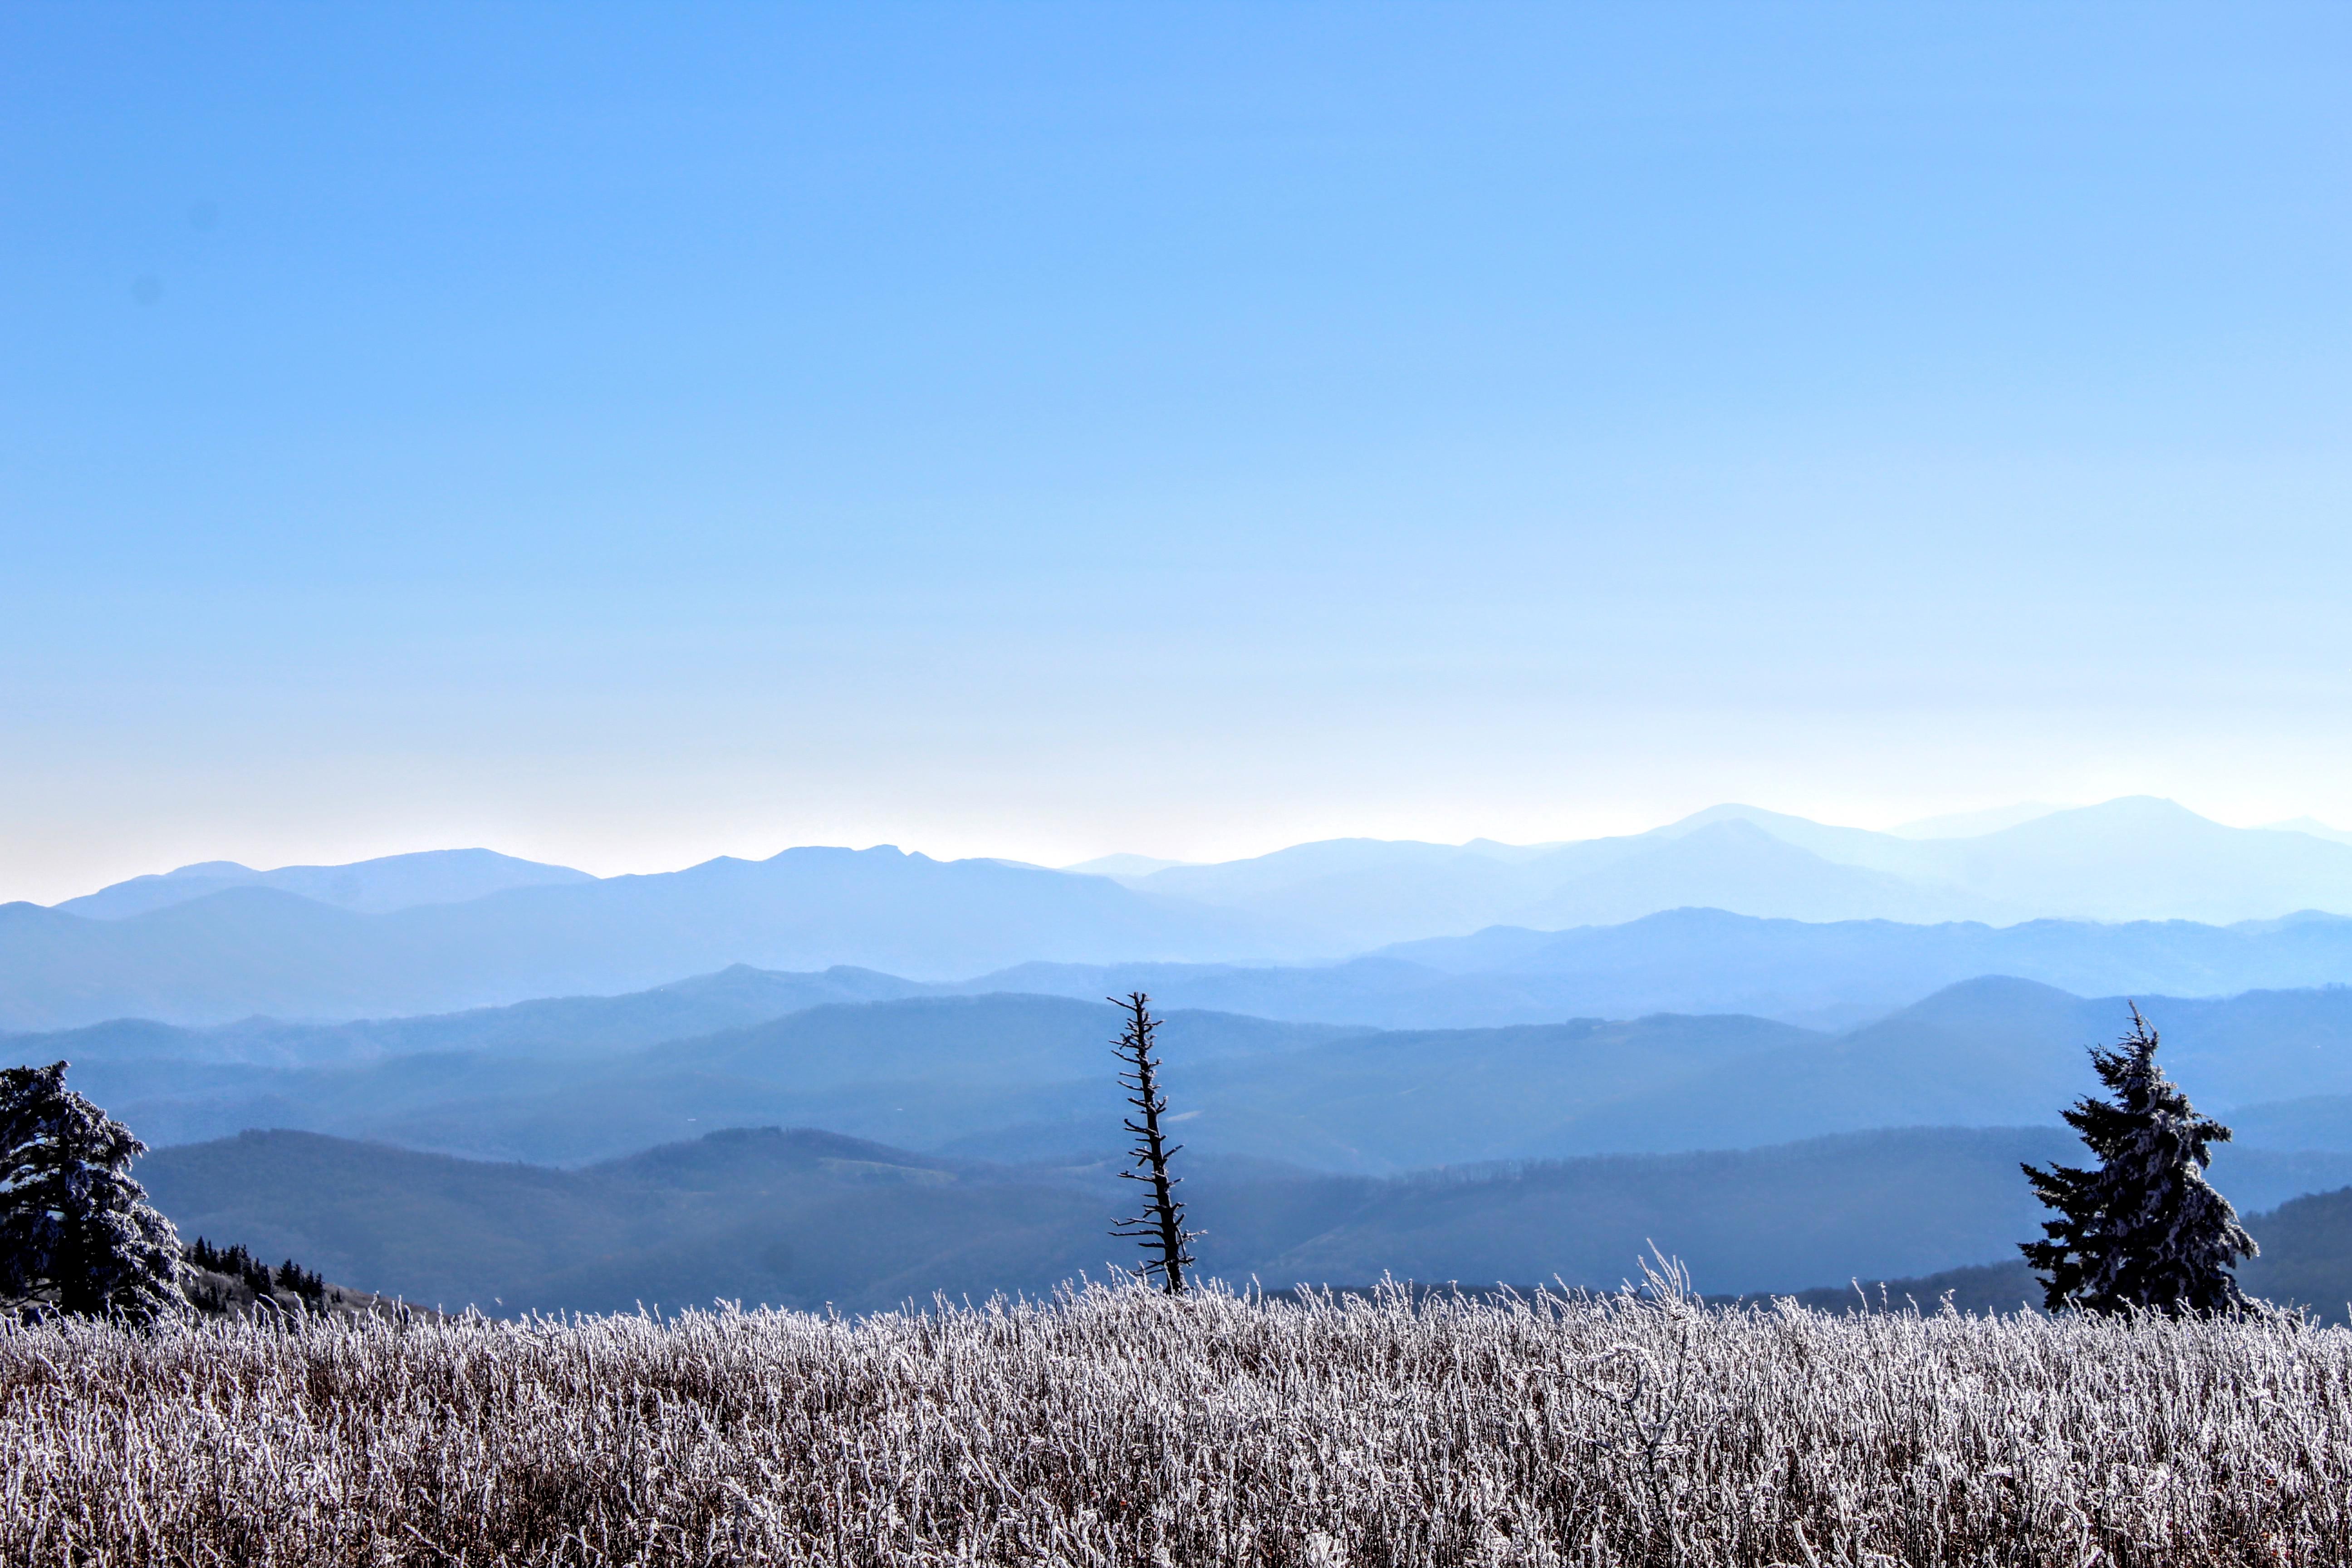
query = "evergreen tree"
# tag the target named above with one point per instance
(2145, 1229)
(291, 1276)
(77, 1234)
(1167, 1244)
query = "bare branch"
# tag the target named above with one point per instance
(1161, 1225)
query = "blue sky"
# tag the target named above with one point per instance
(625, 435)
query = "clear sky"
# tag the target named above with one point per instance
(626, 434)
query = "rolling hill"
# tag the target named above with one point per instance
(1691, 960)
(1824, 974)
(555, 1027)
(807, 1219)
(923, 1070)
(1009, 1076)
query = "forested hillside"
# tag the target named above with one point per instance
(1020, 1078)
(804, 1219)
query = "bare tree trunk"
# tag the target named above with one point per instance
(1161, 1225)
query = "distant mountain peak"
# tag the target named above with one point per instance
(378, 886)
(1730, 811)
(207, 868)
(2134, 815)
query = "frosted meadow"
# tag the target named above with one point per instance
(1122, 1426)
(621, 626)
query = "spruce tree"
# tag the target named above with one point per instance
(2145, 1229)
(77, 1234)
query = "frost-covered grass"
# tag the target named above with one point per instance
(1118, 1426)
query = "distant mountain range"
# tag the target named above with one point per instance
(1017, 1079)
(2135, 859)
(555, 1028)
(257, 949)
(367, 887)
(969, 1138)
(425, 933)
(1704, 961)
(810, 1219)
(1832, 976)
(1482, 1062)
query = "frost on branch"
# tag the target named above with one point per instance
(77, 1234)
(2145, 1229)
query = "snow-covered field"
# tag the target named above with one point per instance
(1118, 1426)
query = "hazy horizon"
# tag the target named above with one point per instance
(1944, 824)
(627, 435)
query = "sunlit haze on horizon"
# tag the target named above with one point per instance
(621, 435)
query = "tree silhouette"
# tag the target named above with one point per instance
(1160, 1226)
(2146, 1229)
(77, 1234)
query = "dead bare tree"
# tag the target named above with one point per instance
(1160, 1226)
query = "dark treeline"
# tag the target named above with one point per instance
(258, 1277)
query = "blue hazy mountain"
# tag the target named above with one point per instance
(556, 1028)
(1361, 894)
(1704, 960)
(1688, 961)
(2128, 859)
(368, 887)
(2314, 826)
(809, 1219)
(2135, 859)
(1023, 1077)
(921, 1070)
(253, 950)
(1989, 1052)
(2306, 1121)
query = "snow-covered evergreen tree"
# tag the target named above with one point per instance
(77, 1234)
(2145, 1228)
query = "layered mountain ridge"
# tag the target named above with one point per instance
(393, 937)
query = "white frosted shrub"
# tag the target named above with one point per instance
(1125, 1426)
